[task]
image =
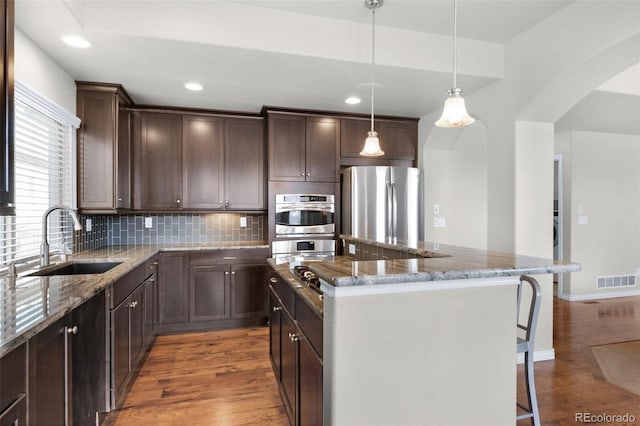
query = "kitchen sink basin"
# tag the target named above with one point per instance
(76, 268)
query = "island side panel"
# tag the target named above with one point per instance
(438, 357)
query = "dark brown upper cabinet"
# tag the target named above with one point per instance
(303, 148)
(398, 140)
(203, 162)
(7, 177)
(104, 148)
(160, 165)
(244, 164)
(199, 162)
(223, 162)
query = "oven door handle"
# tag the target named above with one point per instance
(298, 207)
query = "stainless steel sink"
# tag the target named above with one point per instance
(76, 268)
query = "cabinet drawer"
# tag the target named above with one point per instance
(151, 267)
(229, 256)
(125, 285)
(310, 324)
(284, 292)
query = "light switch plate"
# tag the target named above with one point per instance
(352, 249)
(439, 222)
(87, 225)
(243, 222)
(436, 209)
(148, 222)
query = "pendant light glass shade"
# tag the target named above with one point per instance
(372, 143)
(455, 112)
(372, 146)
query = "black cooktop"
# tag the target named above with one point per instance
(308, 277)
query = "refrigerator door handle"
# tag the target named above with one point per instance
(389, 210)
(394, 212)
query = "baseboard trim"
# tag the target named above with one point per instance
(547, 355)
(593, 296)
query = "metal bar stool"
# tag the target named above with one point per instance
(525, 346)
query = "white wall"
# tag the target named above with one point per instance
(36, 69)
(603, 180)
(455, 166)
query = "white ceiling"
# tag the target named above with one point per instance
(297, 53)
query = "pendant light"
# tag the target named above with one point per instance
(372, 143)
(454, 113)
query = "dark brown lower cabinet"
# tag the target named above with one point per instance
(296, 359)
(89, 353)
(50, 375)
(209, 292)
(16, 413)
(214, 289)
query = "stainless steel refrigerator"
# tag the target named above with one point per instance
(383, 204)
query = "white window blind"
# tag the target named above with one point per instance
(44, 176)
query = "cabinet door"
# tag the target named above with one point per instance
(50, 375)
(161, 158)
(310, 385)
(275, 333)
(353, 133)
(123, 160)
(173, 289)
(209, 293)
(244, 164)
(203, 157)
(323, 149)
(120, 345)
(288, 364)
(286, 147)
(136, 310)
(96, 148)
(399, 139)
(249, 291)
(89, 350)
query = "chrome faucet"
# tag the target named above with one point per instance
(44, 247)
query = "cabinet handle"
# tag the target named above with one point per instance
(154, 264)
(71, 330)
(227, 202)
(308, 173)
(293, 337)
(233, 272)
(178, 201)
(152, 280)
(226, 272)
(119, 198)
(229, 258)
(277, 308)
(133, 304)
(302, 174)
(273, 280)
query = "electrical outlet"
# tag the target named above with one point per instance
(148, 222)
(87, 225)
(243, 222)
(439, 222)
(582, 220)
(352, 249)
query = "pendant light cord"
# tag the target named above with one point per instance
(455, 43)
(373, 53)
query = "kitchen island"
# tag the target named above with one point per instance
(423, 340)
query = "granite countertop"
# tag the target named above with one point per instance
(441, 262)
(28, 305)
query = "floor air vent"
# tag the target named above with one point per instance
(615, 281)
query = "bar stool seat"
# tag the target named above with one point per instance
(525, 346)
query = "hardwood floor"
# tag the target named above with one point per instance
(225, 378)
(573, 383)
(214, 378)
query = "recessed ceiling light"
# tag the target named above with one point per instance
(76, 41)
(352, 100)
(193, 86)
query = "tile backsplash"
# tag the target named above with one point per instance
(169, 229)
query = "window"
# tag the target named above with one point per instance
(44, 176)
